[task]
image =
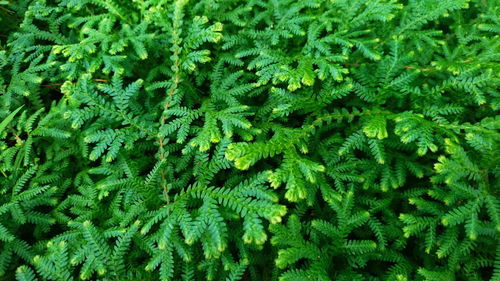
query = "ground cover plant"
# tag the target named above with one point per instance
(249, 140)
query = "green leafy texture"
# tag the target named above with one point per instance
(249, 140)
(8, 119)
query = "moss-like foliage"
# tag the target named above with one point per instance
(286, 140)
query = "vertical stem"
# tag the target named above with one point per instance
(176, 79)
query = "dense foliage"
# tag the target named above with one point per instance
(249, 140)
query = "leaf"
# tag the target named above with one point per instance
(9, 118)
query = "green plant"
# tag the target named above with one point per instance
(249, 140)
